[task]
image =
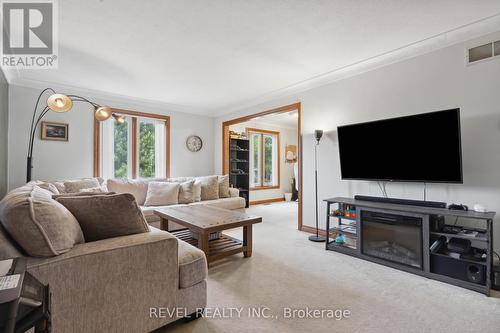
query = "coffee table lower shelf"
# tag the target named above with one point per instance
(217, 248)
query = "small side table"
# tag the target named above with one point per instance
(25, 305)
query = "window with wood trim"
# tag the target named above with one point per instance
(137, 148)
(264, 159)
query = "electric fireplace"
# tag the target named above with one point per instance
(391, 237)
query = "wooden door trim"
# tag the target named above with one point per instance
(281, 109)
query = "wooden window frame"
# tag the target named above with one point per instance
(134, 115)
(262, 132)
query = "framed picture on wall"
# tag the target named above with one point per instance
(54, 131)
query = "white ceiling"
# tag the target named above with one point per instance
(210, 57)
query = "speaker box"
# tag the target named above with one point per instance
(458, 269)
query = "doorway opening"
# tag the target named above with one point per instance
(262, 153)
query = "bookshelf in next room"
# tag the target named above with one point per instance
(239, 166)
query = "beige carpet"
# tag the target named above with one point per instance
(288, 271)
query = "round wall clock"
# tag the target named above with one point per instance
(194, 143)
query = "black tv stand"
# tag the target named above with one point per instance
(432, 204)
(403, 237)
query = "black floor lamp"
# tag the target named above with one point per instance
(61, 103)
(316, 238)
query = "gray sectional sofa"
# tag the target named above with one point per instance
(115, 284)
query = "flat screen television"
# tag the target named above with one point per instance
(419, 148)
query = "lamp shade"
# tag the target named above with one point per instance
(119, 119)
(59, 103)
(318, 134)
(103, 113)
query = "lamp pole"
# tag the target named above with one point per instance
(316, 238)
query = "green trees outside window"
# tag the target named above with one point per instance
(264, 158)
(121, 149)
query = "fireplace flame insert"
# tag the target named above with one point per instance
(391, 237)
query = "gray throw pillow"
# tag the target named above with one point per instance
(40, 225)
(209, 187)
(106, 216)
(224, 186)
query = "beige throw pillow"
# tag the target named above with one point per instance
(137, 187)
(106, 216)
(40, 225)
(209, 187)
(162, 194)
(46, 186)
(75, 186)
(92, 190)
(197, 191)
(186, 192)
(224, 186)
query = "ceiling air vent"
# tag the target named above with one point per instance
(482, 52)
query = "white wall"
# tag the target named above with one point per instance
(435, 81)
(59, 160)
(288, 136)
(4, 121)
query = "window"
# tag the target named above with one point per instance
(137, 148)
(264, 158)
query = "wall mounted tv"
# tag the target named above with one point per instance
(419, 148)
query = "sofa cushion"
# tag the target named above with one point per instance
(224, 186)
(179, 179)
(226, 203)
(186, 192)
(80, 194)
(75, 186)
(137, 187)
(209, 187)
(59, 184)
(106, 216)
(40, 225)
(162, 194)
(192, 265)
(8, 248)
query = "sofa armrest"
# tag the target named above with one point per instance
(110, 285)
(234, 192)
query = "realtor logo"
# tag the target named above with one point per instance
(29, 34)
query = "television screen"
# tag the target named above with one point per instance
(418, 148)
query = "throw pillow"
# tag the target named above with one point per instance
(80, 194)
(75, 186)
(46, 186)
(180, 179)
(209, 187)
(224, 186)
(186, 192)
(197, 191)
(137, 187)
(40, 225)
(92, 190)
(162, 194)
(106, 216)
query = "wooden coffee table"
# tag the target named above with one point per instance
(204, 220)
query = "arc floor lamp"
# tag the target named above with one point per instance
(61, 103)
